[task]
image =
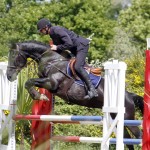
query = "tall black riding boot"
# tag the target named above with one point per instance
(92, 92)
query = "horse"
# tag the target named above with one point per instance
(53, 77)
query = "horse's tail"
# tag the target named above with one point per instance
(139, 102)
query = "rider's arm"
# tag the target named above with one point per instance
(66, 42)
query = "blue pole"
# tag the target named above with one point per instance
(127, 141)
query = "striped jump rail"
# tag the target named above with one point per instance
(94, 140)
(73, 119)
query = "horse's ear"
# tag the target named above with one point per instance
(17, 47)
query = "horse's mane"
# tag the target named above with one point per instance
(32, 44)
(38, 45)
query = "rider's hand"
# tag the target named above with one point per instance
(53, 47)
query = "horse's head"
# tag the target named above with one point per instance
(16, 61)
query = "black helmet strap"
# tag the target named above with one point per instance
(47, 28)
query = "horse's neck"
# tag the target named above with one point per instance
(33, 50)
(50, 56)
(35, 55)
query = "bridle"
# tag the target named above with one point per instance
(15, 67)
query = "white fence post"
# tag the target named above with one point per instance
(8, 97)
(114, 92)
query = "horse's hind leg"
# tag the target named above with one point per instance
(135, 131)
(127, 135)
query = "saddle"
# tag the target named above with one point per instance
(95, 71)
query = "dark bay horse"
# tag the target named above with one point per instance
(53, 77)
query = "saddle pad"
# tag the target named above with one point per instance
(94, 79)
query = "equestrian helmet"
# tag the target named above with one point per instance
(42, 23)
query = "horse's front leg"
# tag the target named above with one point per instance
(47, 83)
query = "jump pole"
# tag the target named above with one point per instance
(72, 119)
(146, 118)
(94, 140)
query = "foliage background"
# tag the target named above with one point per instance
(120, 32)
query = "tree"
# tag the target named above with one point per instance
(135, 20)
(83, 17)
(121, 47)
(2, 8)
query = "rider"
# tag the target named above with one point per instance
(65, 39)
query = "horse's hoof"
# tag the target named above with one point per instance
(44, 97)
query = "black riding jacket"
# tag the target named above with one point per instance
(67, 40)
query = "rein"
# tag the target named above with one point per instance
(29, 62)
(58, 60)
(70, 79)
